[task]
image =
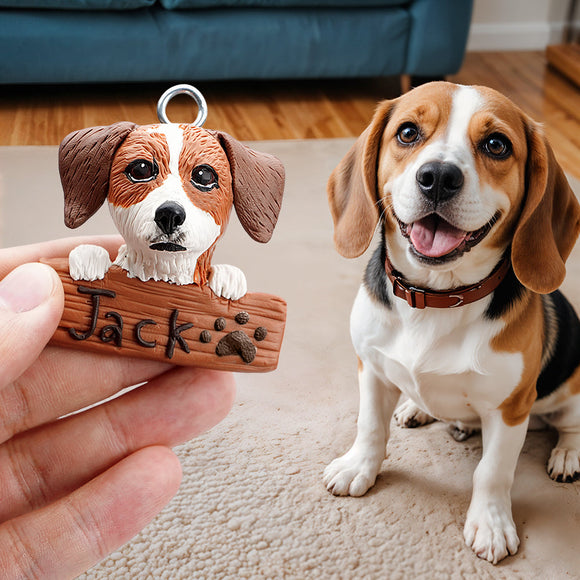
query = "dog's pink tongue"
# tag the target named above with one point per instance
(432, 236)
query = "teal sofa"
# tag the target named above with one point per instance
(81, 41)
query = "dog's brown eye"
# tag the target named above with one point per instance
(497, 146)
(142, 170)
(408, 133)
(204, 177)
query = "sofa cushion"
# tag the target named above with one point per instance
(78, 4)
(184, 4)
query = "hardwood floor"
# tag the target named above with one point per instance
(43, 115)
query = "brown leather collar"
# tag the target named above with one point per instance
(420, 298)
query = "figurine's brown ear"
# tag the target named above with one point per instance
(84, 161)
(258, 184)
(550, 220)
(352, 189)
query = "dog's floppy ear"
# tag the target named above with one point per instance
(258, 184)
(84, 162)
(550, 220)
(352, 189)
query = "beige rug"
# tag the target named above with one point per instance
(252, 503)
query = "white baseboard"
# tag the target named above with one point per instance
(514, 35)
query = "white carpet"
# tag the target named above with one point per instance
(252, 503)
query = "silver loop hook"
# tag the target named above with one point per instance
(182, 90)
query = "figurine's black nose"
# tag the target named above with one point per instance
(169, 216)
(439, 181)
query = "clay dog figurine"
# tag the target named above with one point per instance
(170, 189)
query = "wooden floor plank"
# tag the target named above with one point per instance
(43, 115)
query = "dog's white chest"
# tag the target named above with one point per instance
(441, 359)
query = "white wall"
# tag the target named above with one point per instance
(517, 24)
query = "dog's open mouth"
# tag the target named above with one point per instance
(434, 239)
(167, 247)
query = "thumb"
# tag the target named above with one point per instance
(31, 305)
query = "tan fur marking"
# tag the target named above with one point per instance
(524, 334)
(430, 111)
(203, 266)
(140, 144)
(505, 175)
(200, 148)
(574, 382)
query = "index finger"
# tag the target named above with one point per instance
(11, 258)
(67, 537)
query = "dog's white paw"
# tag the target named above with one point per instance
(228, 282)
(410, 416)
(564, 465)
(88, 262)
(460, 432)
(490, 532)
(352, 474)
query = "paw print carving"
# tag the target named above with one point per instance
(236, 342)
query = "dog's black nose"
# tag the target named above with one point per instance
(439, 181)
(169, 216)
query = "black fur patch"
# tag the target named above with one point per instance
(375, 277)
(508, 293)
(566, 356)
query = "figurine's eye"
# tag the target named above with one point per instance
(142, 170)
(497, 146)
(204, 177)
(408, 134)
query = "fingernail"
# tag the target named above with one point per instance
(26, 287)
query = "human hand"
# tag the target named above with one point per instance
(74, 489)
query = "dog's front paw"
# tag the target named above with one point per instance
(564, 465)
(88, 262)
(228, 282)
(352, 474)
(490, 532)
(410, 416)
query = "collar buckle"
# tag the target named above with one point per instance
(415, 297)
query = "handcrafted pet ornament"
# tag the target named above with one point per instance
(170, 189)
(459, 309)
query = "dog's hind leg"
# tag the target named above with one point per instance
(355, 472)
(564, 462)
(409, 415)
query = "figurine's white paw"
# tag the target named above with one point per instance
(352, 474)
(88, 262)
(490, 531)
(564, 465)
(228, 282)
(410, 416)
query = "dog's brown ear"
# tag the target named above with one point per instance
(84, 161)
(258, 184)
(352, 189)
(549, 223)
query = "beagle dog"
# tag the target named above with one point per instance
(170, 189)
(459, 309)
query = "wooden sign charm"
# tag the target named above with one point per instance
(182, 325)
(170, 189)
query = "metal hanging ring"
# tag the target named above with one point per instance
(182, 90)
